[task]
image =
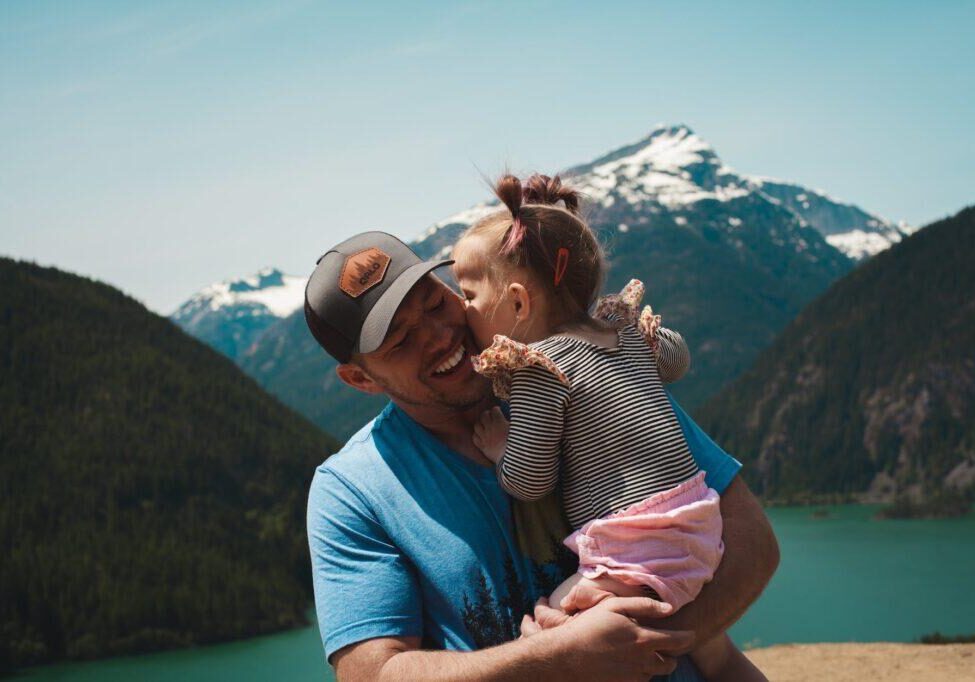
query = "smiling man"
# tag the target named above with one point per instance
(416, 570)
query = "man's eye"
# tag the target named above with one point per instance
(401, 344)
(440, 304)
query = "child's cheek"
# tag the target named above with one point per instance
(479, 327)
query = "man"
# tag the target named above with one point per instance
(416, 570)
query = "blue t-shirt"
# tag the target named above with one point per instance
(409, 538)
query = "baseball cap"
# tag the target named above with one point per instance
(356, 289)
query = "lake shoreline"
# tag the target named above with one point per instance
(846, 662)
(888, 509)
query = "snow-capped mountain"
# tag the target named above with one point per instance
(673, 170)
(728, 260)
(231, 315)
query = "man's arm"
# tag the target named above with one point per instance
(750, 558)
(604, 643)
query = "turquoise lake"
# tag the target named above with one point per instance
(845, 577)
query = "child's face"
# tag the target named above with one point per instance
(487, 313)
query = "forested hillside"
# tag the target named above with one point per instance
(872, 387)
(153, 495)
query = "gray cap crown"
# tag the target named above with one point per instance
(356, 289)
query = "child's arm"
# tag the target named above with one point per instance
(528, 461)
(673, 356)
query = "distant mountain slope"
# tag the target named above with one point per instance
(872, 387)
(153, 495)
(847, 227)
(230, 316)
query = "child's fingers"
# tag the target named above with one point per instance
(582, 597)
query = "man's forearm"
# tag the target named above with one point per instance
(533, 658)
(750, 558)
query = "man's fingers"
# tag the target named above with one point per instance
(643, 609)
(529, 627)
(547, 617)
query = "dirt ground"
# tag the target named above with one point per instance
(875, 662)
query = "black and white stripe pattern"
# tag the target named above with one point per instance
(612, 438)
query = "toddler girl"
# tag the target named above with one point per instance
(588, 411)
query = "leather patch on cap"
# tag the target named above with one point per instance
(362, 271)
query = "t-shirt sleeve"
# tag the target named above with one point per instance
(364, 586)
(720, 467)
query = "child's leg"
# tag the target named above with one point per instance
(720, 661)
(591, 591)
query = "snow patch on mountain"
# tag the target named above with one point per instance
(859, 244)
(278, 293)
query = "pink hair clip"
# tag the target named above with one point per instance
(561, 263)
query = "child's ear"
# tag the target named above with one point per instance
(520, 300)
(353, 375)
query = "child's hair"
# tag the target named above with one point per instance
(553, 243)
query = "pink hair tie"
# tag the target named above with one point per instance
(515, 236)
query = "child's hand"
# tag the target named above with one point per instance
(491, 434)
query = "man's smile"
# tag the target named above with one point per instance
(454, 364)
(452, 361)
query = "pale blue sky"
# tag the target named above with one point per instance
(162, 146)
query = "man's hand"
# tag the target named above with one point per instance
(611, 642)
(584, 597)
(491, 434)
(607, 643)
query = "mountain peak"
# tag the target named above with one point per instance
(674, 170)
(679, 130)
(269, 289)
(264, 278)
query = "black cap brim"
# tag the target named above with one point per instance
(376, 325)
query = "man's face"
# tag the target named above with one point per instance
(424, 360)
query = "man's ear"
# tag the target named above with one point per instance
(355, 376)
(520, 300)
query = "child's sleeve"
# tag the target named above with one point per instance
(673, 356)
(529, 468)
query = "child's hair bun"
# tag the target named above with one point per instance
(542, 189)
(509, 190)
